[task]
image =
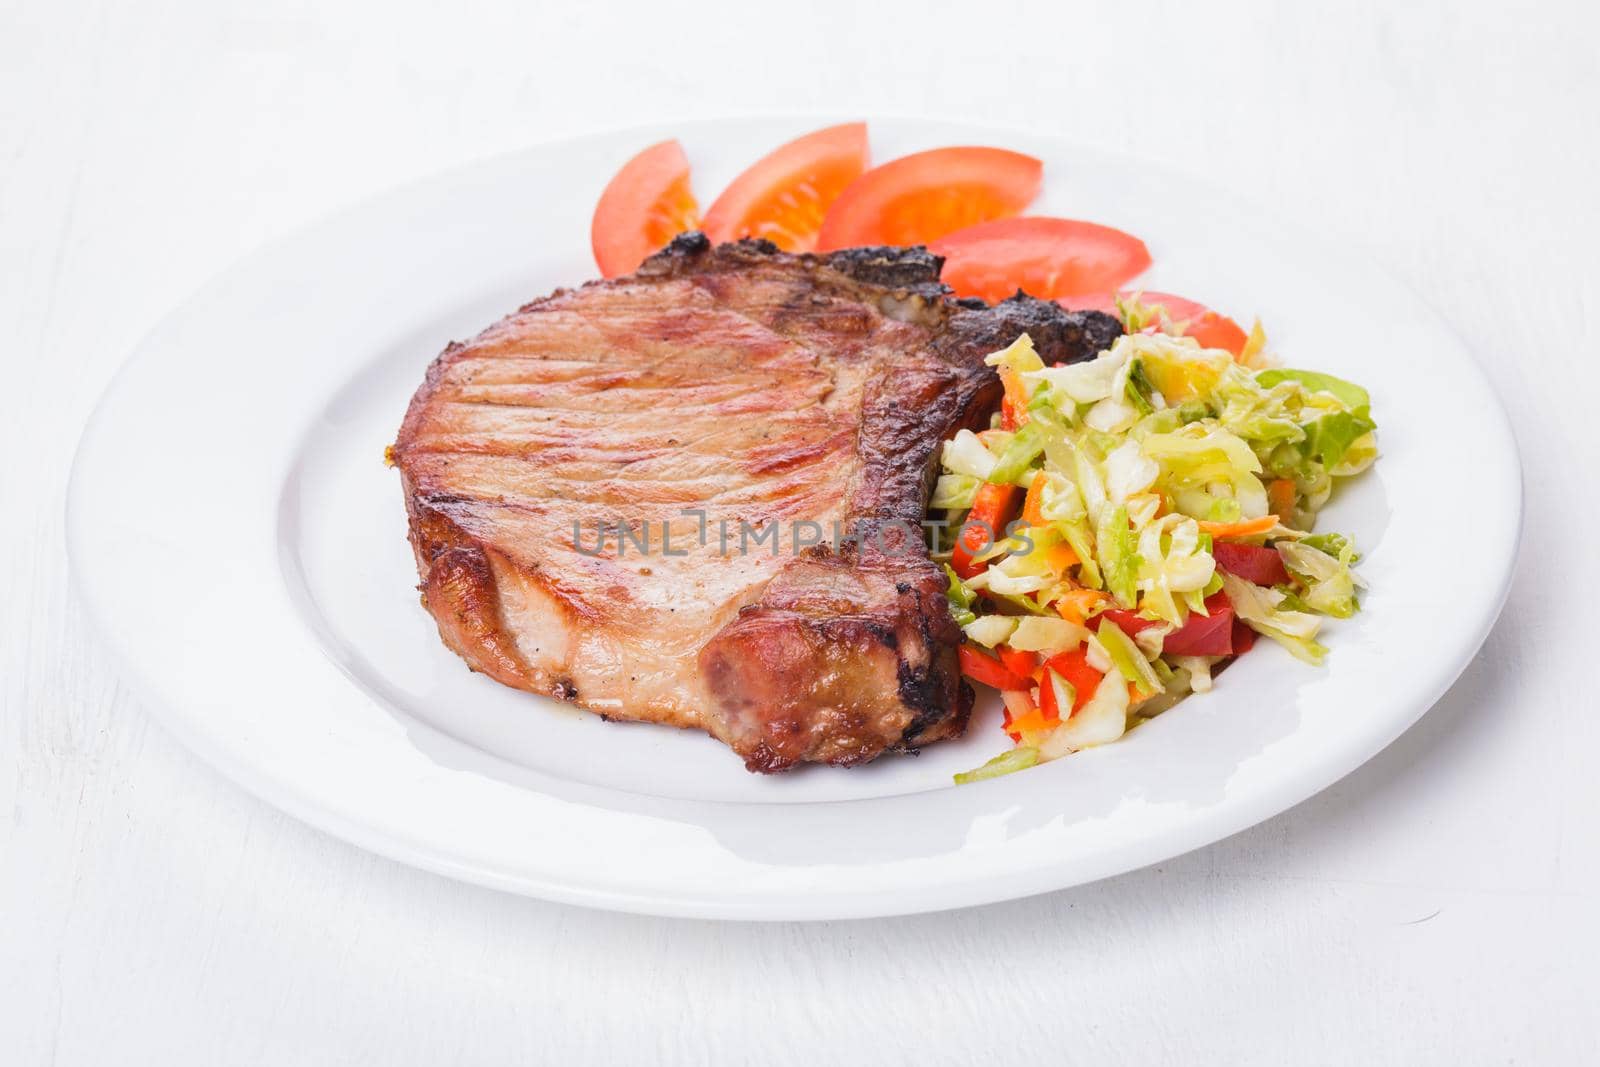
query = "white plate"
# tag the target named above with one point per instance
(237, 536)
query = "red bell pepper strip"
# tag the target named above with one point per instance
(992, 508)
(1074, 668)
(1050, 702)
(988, 670)
(1019, 663)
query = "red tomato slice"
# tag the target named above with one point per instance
(1210, 328)
(1204, 635)
(1253, 563)
(785, 195)
(646, 205)
(1048, 258)
(1129, 622)
(1244, 638)
(921, 197)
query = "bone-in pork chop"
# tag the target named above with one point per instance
(693, 495)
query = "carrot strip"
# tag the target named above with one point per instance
(1033, 722)
(1014, 405)
(1033, 503)
(1250, 528)
(1280, 495)
(1060, 557)
(1074, 606)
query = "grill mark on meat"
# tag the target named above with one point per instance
(786, 455)
(758, 387)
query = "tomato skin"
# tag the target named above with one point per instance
(1204, 635)
(1253, 563)
(986, 522)
(1217, 331)
(1211, 328)
(644, 206)
(924, 196)
(1244, 638)
(988, 670)
(1200, 635)
(1046, 257)
(1129, 622)
(785, 195)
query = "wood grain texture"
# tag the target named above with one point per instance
(1437, 906)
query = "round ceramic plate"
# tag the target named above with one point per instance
(237, 536)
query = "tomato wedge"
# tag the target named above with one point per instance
(1212, 329)
(1048, 258)
(1253, 563)
(646, 205)
(1244, 638)
(1204, 635)
(922, 197)
(784, 196)
(1129, 622)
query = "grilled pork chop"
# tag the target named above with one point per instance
(693, 495)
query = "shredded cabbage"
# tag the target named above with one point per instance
(1128, 657)
(1020, 355)
(1135, 465)
(1014, 760)
(990, 630)
(1102, 720)
(1045, 634)
(1263, 610)
(1330, 583)
(1023, 448)
(965, 454)
(954, 492)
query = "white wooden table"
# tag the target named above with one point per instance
(1438, 906)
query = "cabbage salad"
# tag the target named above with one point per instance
(1131, 523)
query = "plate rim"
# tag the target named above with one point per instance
(1043, 877)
